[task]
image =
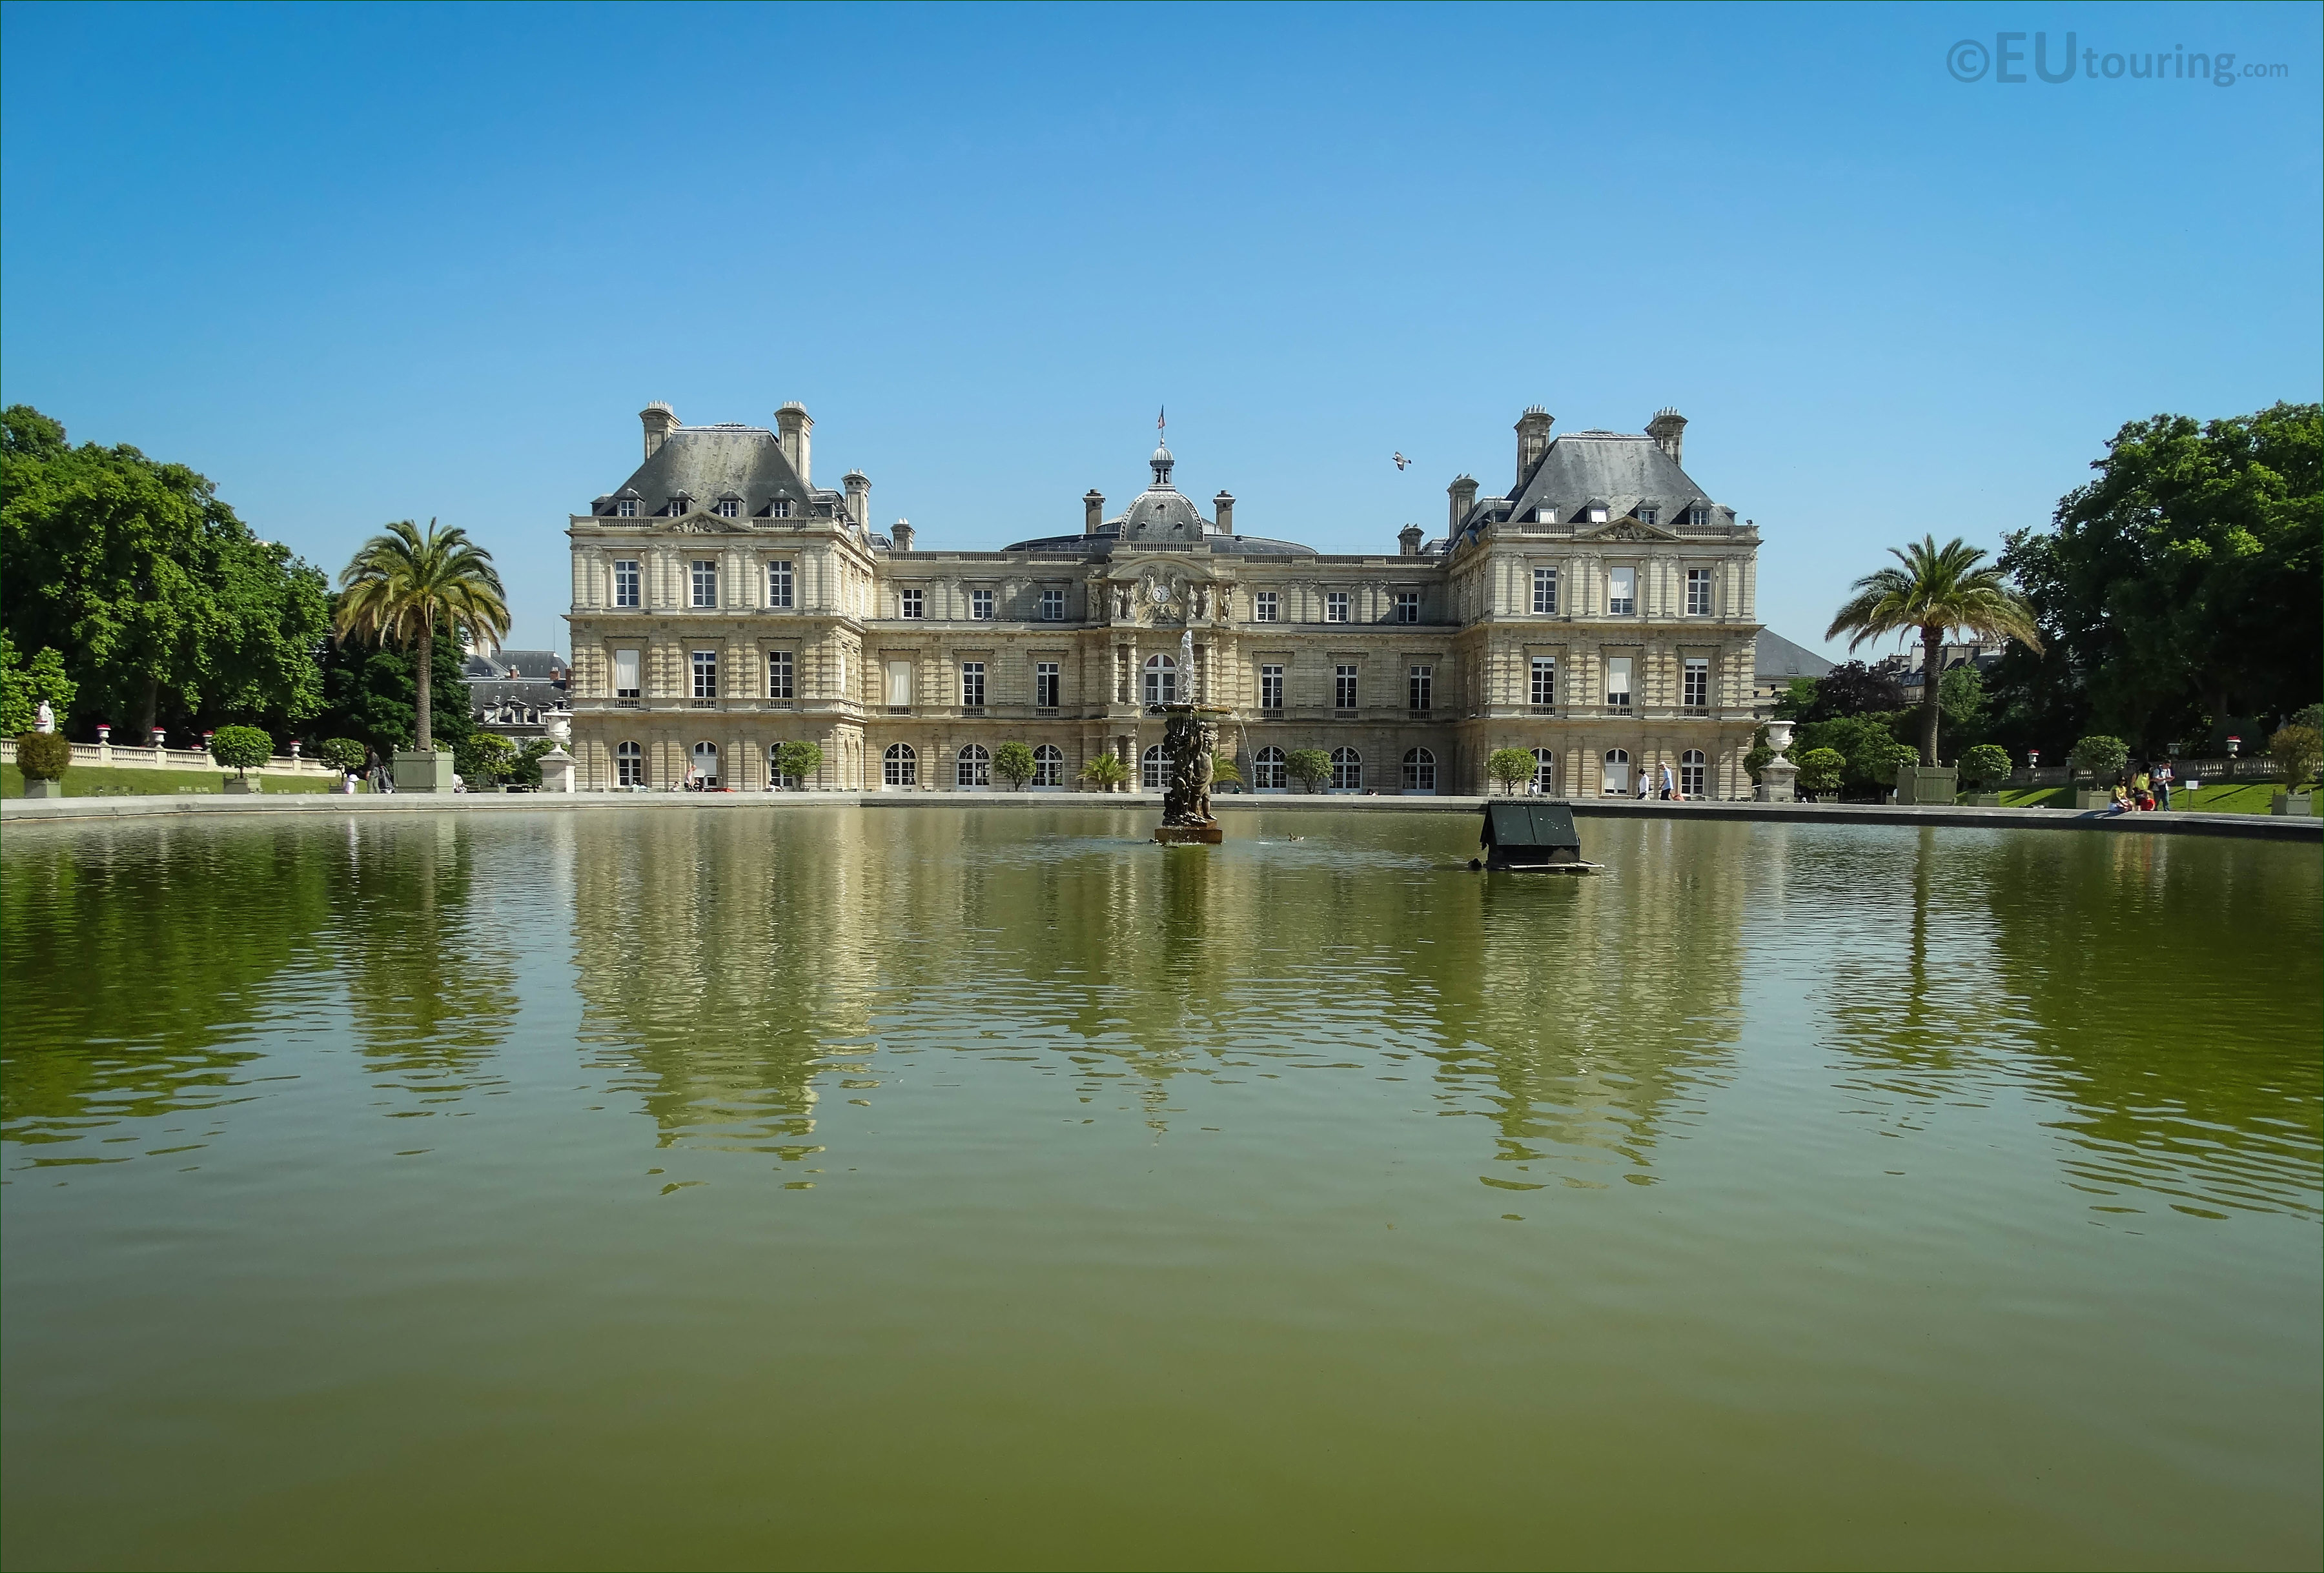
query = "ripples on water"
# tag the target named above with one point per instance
(2160, 998)
(1912, 1196)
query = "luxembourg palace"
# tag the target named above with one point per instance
(1599, 616)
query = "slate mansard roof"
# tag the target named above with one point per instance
(1621, 471)
(705, 463)
(1162, 515)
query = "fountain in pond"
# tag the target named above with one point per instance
(1190, 738)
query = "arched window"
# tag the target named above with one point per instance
(1347, 771)
(1545, 772)
(899, 766)
(1267, 771)
(1048, 766)
(1151, 768)
(705, 764)
(776, 780)
(1161, 680)
(1690, 772)
(973, 767)
(1419, 770)
(629, 765)
(1617, 779)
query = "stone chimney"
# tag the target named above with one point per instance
(1224, 503)
(660, 420)
(859, 497)
(792, 421)
(1093, 511)
(901, 534)
(1668, 428)
(1463, 495)
(1408, 538)
(1533, 439)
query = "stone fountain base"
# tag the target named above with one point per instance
(1189, 836)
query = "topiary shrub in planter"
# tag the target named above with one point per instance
(2101, 757)
(1507, 767)
(1311, 768)
(43, 757)
(485, 760)
(342, 754)
(1821, 770)
(1106, 771)
(800, 759)
(1982, 769)
(2296, 749)
(242, 750)
(1013, 761)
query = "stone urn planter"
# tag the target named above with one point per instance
(1778, 778)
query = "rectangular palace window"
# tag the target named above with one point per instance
(972, 684)
(706, 583)
(705, 673)
(1544, 591)
(1618, 683)
(1045, 685)
(625, 674)
(1622, 592)
(1343, 687)
(979, 605)
(1698, 593)
(782, 676)
(1544, 680)
(1421, 680)
(1053, 606)
(915, 602)
(1271, 687)
(1335, 606)
(1696, 693)
(625, 583)
(779, 585)
(1407, 606)
(1263, 606)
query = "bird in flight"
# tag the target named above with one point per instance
(1401, 462)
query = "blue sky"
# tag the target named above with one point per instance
(359, 264)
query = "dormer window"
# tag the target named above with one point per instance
(1597, 513)
(780, 507)
(627, 508)
(1649, 515)
(1546, 514)
(1698, 517)
(678, 505)
(730, 508)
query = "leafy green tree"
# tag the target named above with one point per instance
(372, 693)
(1984, 766)
(1821, 770)
(404, 589)
(1799, 695)
(2101, 756)
(1508, 767)
(1013, 761)
(1311, 768)
(526, 769)
(1937, 591)
(341, 753)
(1105, 771)
(1961, 698)
(241, 749)
(22, 689)
(1870, 750)
(153, 592)
(484, 758)
(800, 759)
(2179, 588)
(1850, 688)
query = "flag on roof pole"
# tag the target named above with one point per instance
(1161, 421)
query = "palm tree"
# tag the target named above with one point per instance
(1938, 590)
(404, 588)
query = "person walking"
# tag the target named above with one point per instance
(1669, 786)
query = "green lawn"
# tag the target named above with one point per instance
(2239, 798)
(98, 781)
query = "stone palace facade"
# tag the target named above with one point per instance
(1600, 616)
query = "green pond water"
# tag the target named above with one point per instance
(846, 1187)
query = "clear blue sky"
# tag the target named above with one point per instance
(357, 264)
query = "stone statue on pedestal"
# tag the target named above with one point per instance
(1190, 737)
